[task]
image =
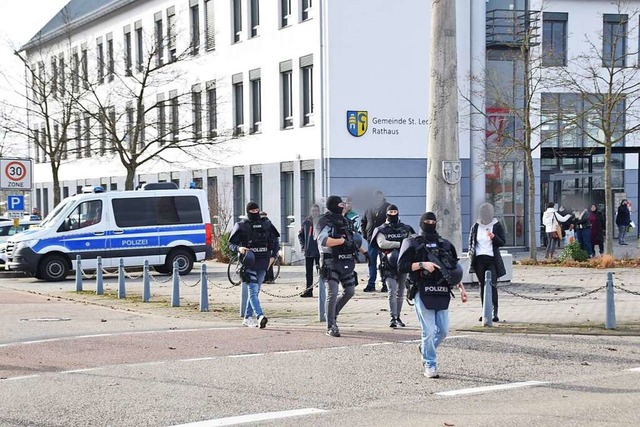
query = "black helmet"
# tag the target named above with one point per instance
(456, 275)
(248, 259)
(392, 259)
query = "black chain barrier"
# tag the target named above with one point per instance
(582, 295)
(623, 289)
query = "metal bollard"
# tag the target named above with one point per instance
(121, 287)
(78, 274)
(487, 307)
(99, 278)
(244, 297)
(204, 289)
(175, 292)
(146, 284)
(322, 295)
(610, 315)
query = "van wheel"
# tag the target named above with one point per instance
(184, 258)
(161, 269)
(53, 268)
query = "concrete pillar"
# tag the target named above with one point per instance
(444, 169)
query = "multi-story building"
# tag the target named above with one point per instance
(285, 102)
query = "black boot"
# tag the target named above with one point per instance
(384, 289)
(308, 293)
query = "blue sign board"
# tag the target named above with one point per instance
(15, 203)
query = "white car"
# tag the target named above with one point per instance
(7, 230)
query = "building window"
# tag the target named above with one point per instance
(141, 127)
(286, 207)
(287, 99)
(75, 78)
(195, 29)
(238, 104)
(175, 118)
(196, 100)
(614, 38)
(255, 188)
(112, 128)
(127, 53)
(307, 190)
(209, 13)
(45, 202)
(171, 33)
(103, 133)
(56, 140)
(85, 68)
(129, 113)
(554, 39)
(87, 135)
(237, 20)
(78, 137)
(255, 17)
(212, 198)
(212, 109)
(61, 73)
(36, 146)
(139, 48)
(159, 35)
(238, 197)
(285, 13)
(100, 61)
(110, 60)
(256, 104)
(307, 95)
(54, 77)
(307, 7)
(162, 119)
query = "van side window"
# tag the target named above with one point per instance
(150, 211)
(84, 215)
(134, 212)
(179, 210)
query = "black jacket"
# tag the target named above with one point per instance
(624, 216)
(499, 240)
(241, 236)
(307, 239)
(372, 218)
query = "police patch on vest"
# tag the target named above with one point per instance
(443, 289)
(258, 249)
(345, 256)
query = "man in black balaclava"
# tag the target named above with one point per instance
(259, 236)
(338, 245)
(372, 218)
(387, 238)
(431, 291)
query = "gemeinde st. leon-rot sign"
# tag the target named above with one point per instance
(15, 174)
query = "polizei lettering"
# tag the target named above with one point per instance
(135, 242)
(258, 250)
(436, 289)
(396, 236)
(345, 256)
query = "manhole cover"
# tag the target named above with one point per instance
(47, 319)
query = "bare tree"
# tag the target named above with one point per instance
(513, 119)
(605, 80)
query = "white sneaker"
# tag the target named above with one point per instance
(431, 372)
(249, 323)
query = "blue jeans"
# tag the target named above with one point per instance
(373, 266)
(584, 238)
(253, 285)
(622, 233)
(435, 325)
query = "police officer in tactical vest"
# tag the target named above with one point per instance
(259, 236)
(432, 264)
(338, 246)
(387, 238)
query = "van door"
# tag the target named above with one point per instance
(134, 233)
(84, 233)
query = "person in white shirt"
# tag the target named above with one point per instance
(550, 219)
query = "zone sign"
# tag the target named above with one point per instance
(15, 174)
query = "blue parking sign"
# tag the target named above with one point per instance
(15, 203)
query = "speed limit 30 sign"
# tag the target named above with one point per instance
(15, 174)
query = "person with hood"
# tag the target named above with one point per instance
(259, 236)
(374, 217)
(338, 245)
(433, 268)
(550, 219)
(596, 219)
(623, 220)
(309, 245)
(583, 231)
(485, 239)
(387, 238)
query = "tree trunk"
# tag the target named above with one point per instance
(55, 168)
(531, 205)
(608, 198)
(131, 178)
(443, 194)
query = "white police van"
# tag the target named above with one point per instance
(155, 224)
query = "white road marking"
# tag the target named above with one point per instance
(252, 418)
(239, 356)
(451, 337)
(114, 334)
(635, 370)
(291, 351)
(486, 389)
(24, 377)
(375, 344)
(199, 359)
(78, 371)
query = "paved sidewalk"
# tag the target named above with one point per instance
(370, 310)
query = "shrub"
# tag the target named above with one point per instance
(223, 252)
(573, 252)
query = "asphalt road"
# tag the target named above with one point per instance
(65, 363)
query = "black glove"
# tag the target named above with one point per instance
(366, 257)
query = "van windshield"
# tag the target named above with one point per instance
(52, 217)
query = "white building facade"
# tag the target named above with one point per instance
(307, 98)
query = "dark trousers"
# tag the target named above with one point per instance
(269, 276)
(481, 265)
(308, 263)
(373, 266)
